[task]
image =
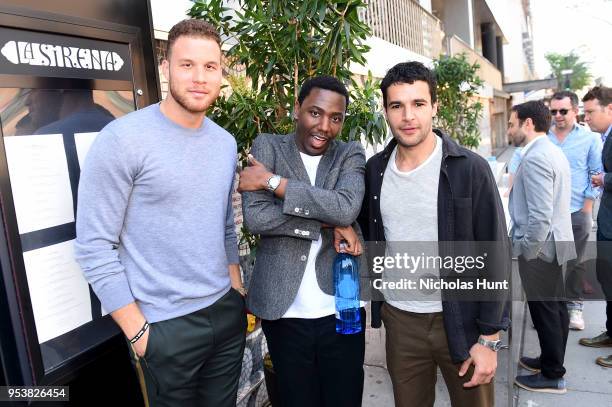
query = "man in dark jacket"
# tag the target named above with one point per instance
(598, 115)
(425, 188)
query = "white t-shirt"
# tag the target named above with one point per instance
(409, 211)
(310, 302)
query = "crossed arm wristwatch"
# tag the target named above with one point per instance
(273, 183)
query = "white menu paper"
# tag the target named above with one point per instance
(39, 181)
(83, 142)
(58, 291)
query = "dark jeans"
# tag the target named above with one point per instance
(315, 366)
(582, 223)
(195, 360)
(604, 274)
(543, 284)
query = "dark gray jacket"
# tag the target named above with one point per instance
(604, 217)
(288, 227)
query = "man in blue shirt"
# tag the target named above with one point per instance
(582, 148)
(598, 115)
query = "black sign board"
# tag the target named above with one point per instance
(40, 54)
(55, 57)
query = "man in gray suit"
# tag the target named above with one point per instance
(300, 190)
(542, 240)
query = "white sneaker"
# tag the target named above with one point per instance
(576, 322)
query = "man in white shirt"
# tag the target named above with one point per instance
(297, 188)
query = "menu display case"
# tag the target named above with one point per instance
(64, 74)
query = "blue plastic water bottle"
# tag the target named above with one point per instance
(346, 288)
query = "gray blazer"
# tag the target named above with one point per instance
(288, 227)
(540, 205)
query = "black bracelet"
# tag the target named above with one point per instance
(140, 333)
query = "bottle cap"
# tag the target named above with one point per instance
(342, 246)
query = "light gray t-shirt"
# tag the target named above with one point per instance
(409, 210)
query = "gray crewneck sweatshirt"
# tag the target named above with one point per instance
(155, 222)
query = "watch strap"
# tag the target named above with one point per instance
(493, 345)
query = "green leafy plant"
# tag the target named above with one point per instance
(580, 76)
(280, 43)
(458, 108)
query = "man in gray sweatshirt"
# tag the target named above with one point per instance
(155, 232)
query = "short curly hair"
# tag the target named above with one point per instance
(409, 72)
(326, 82)
(192, 27)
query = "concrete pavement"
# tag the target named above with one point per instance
(588, 384)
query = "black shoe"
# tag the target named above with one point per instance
(531, 364)
(540, 383)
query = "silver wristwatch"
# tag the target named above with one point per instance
(273, 182)
(493, 345)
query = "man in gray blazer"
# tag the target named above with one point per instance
(543, 241)
(300, 190)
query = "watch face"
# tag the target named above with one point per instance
(273, 183)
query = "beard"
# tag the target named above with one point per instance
(183, 100)
(413, 141)
(519, 139)
(565, 123)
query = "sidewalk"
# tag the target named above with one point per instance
(588, 384)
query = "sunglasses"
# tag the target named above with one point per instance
(562, 111)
